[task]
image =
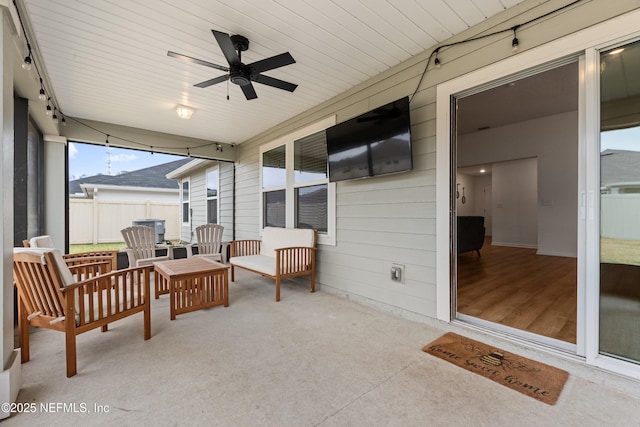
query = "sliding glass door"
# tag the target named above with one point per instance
(515, 202)
(619, 334)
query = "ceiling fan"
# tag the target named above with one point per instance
(239, 73)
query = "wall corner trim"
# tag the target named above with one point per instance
(55, 138)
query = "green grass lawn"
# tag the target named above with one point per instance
(74, 249)
(619, 251)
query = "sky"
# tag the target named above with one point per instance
(89, 160)
(624, 139)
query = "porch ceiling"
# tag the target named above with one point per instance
(107, 61)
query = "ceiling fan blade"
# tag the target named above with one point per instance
(273, 62)
(249, 91)
(189, 59)
(270, 81)
(226, 45)
(212, 82)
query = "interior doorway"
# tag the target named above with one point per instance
(516, 167)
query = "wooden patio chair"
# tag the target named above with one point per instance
(50, 297)
(141, 246)
(45, 241)
(209, 243)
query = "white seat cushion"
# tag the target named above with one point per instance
(263, 264)
(66, 276)
(275, 238)
(44, 241)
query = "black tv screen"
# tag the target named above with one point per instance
(375, 143)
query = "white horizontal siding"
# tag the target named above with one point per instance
(391, 219)
(225, 200)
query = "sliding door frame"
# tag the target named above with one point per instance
(585, 45)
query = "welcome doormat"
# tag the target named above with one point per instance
(535, 379)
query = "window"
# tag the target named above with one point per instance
(213, 185)
(274, 181)
(185, 197)
(295, 187)
(274, 209)
(310, 168)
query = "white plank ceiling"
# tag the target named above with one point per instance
(106, 60)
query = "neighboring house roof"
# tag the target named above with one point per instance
(619, 167)
(189, 167)
(151, 177)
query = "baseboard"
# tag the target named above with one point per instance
(558, 254)
(10, 382)
(514, 245)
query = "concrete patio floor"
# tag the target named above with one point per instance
(309, 360)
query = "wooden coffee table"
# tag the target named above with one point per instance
(192, 283)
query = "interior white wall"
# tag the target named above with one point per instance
(553, 140)
(483, 200)
(467, 189)
(514, 203)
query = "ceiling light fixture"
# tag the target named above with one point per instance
(49, 111)
(437, 61)
(54, 117)
(184, 112)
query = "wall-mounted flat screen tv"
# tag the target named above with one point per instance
(375, 143)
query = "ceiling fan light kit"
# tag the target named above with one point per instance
(184, 112)
(239, 73)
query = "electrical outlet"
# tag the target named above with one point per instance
(397, 273)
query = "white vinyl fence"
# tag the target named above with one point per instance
(620, 216)
(94, 221)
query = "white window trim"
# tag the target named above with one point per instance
(206, 196)
(188, 221)
(619, 30)
(328, 238)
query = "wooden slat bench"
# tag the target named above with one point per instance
(281, 254)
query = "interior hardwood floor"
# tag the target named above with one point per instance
(517, 288)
